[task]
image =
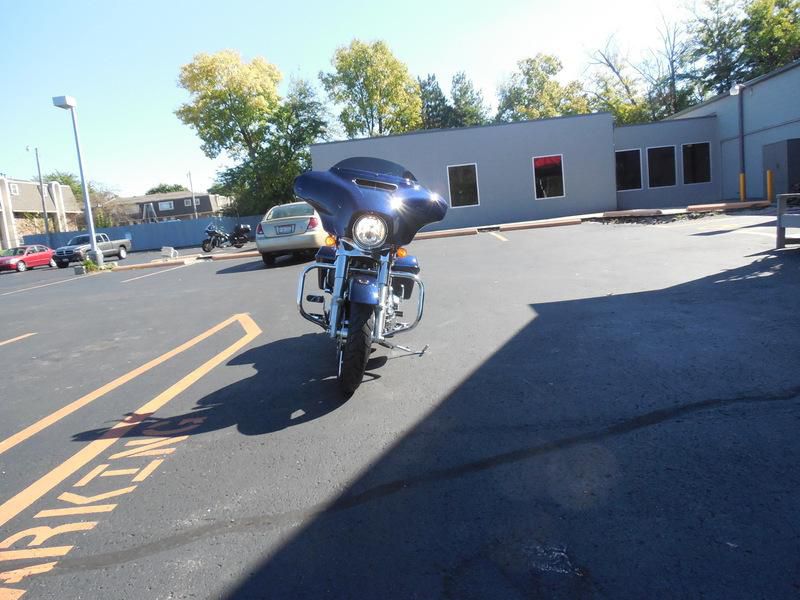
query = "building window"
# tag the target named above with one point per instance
(187, 202)
(14, 189)
(548, 176)
(629, 170)
(163, 206)
(696, 163)
(462, 181)
(661, 166)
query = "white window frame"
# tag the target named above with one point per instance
(13, 189)
(477, 185)
(187, 202)
(710, 164)
(641, 170)
(162, 202)
(563, 176)
(675, 154)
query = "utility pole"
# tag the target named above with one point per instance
(191, 188)
(44, 202)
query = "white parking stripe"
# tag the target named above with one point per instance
(36, 287)
(500, 237)
(151, 274)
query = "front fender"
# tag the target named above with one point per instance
(364, 289)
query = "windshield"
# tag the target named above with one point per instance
(13, 252)
(78, 240)
(375, 165)
(290, 210)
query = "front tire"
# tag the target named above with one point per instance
(21, 266)
(354, 354)
(62, 265)
(206, 245)
(52, 263)
(122, 253)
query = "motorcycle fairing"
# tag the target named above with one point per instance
(364, 289)
(344, 192)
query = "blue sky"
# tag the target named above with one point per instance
(121, 61)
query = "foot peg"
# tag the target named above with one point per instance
(313, 298)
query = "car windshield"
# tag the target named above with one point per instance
(78, 239)
(290, 210)
(13, 252)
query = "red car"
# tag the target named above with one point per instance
(23, 258)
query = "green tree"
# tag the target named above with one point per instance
(468, 106)
(377, 94)
(165, 188)
(299, 121)
(534, 92)
(771, 35)
(436, 112)
(236, 109)
(716, 46)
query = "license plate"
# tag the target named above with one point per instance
(284, 229)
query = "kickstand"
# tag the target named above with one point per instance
(392, 346)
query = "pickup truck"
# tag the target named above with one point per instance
(78, 248)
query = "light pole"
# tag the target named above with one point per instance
(44, 202)
(738, 90)
(68, 102)
(194, 202)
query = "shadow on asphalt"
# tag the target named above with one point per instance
(258, 265)
(634, 446)
(769, 225)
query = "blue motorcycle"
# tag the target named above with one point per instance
(370, 208)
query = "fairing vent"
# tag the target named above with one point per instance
(375, 185)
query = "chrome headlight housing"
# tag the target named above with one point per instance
(369, 232)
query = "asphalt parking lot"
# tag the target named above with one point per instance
(605, 411)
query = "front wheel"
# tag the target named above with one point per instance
(21, 266)
(207, 245)
(52, 262)
(122, 252)
(354, 353)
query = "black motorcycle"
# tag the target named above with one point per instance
(219, 239)
(371, 208)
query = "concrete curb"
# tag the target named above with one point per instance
(727, 206)
(248, 254)
(153, 265)
(539, 224)
(445, 233)
(637, 212)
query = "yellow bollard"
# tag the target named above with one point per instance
(769, 186)
(742, 188)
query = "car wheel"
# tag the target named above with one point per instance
(269, 259)
(62, 265)
(52, 262)
(122, 253)
(21, 266)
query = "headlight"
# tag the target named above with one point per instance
(369, 232)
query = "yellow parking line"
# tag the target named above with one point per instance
(15, 505)
(70, 408)
(36, 287)
(500, 237)
(18, 338)
(151, 274)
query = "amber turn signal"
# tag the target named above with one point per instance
(402, 253)
(330, 241)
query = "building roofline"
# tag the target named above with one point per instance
(667, 120)
(749, 83)
(452, 129)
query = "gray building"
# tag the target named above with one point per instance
(170, 206)
(584, 164)
(21, 209)
(770, 116)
